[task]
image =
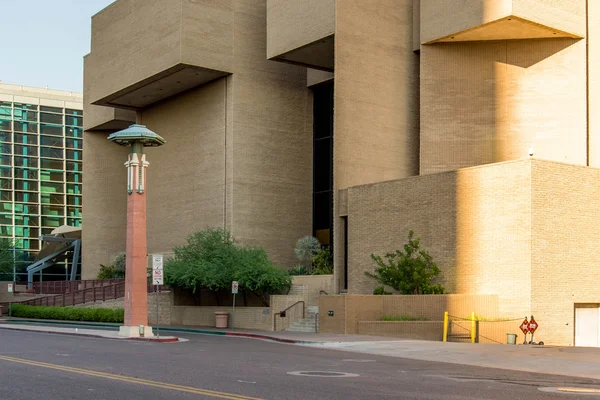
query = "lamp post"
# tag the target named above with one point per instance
(136, 285)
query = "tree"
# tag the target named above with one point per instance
(408, 271)
(114, 270)
(212, 259)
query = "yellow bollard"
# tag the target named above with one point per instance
(445, 336)
(473, 327)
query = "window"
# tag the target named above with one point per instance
(52, 198)
(74, 166)
(74, 132)
(5, 195)
(6, 231)
(74, 143)
(5, 125)
(5, 160)
(73, 121)
(56, 130)
(52, 164)
(25, 115)
(74, 154)
(51, 118)
(52, 187)
(22, 138)
(26, 208)
(53, 141)
(53, 210)
(27, 127)
(74, 212)
(5, 137)
(5, 149)
(31, 186)
(53, 222)
(73, 188)
(74, 222)
(26, 162)
(6, 219)
(51, 109)
(51, 152)
(5, 112)
(27, 232)
(32, 107)
(26, 197)
(5, 171)
(6, 207)
(26, 173)
(74, 200)
(30, 151)
(51, 176)
(6, 184)
(74, 177)
(70, 111)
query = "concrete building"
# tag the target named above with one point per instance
(41, 142)
(469, 121)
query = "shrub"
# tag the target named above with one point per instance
(408, 271)
(212, 259)
(380, 290)
(67, 313)
(306, 249)
(298, 270)
(114, 270)
(323, 262)
(402, 318)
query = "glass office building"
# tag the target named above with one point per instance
(41, 142)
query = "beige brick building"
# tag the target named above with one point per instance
(470, 121)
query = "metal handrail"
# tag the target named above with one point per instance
(322, 291)
(282, 313)
(317, 323)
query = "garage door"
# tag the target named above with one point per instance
(586, 325)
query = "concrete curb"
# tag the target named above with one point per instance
(155, 340)
(168, 329)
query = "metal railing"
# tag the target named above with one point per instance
(60, 287)
(282, 314)
(91, 294)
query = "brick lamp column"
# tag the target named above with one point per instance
(136, 281)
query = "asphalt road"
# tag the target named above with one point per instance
(53, 367)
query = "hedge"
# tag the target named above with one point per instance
(67, 313)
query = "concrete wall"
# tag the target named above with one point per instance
(376, 98)
(488, 102)
(565, 253)
(245, 317)
(593, 64)
(349, 310)
(226, 140)
(313, 284)
(294, 24)
(474, 222)
(413, 330)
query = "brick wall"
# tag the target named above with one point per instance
(313, 285)
(245, 317)
(415, 330)
(565, 246)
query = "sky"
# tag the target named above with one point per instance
(44, 41)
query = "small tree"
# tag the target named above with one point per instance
(323, 262)
(306, 249)
(408, 271)
(114, 270)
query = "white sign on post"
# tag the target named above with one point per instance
(157, 261)
(157, 277)
(10, 288)
(157, 269)
(234, 287)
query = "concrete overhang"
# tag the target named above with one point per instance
(143, 52)
(481, 20)
(301, 32)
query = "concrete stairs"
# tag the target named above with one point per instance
(297, 290)
(307, 324)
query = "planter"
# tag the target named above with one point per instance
(222, 319)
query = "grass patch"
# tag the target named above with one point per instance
(402, 318)
(67, 313)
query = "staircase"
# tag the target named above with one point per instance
(307, 324)
(297, 290)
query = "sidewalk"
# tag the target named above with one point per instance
(570, 361)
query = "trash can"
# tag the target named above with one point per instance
(511, 338)
(221, 318)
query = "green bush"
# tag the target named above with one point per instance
(67, 313)
(298, 270)
(402, 318)
(380, 290)
(323, 262)
(212, 259)
(114, 270)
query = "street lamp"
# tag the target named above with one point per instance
(136, 287)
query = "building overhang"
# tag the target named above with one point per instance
(170, 82)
